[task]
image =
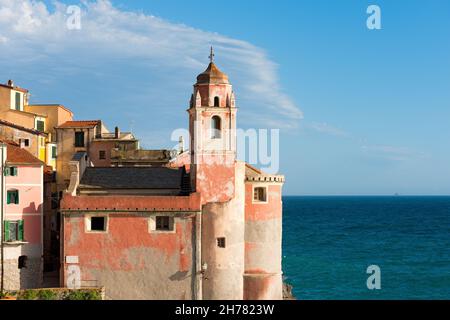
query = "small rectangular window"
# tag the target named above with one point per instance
(22, 262)
(164, 223)
(12, 197)
(27, 142)
(79, 139)
(260, 194)
(53, 152)
(221, 243)
(102, 154)
(97, 224)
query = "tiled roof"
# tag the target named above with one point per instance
(17, 155)
(212, 75)
(80, 124)
(132, 178)
(13, 125)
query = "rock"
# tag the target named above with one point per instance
(287, 292)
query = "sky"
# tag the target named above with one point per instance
(360, 112)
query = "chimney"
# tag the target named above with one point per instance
(181, 145)
(117, 132)
(10, 83)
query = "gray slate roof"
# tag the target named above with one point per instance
(132, 178)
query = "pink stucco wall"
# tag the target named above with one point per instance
(29, 183)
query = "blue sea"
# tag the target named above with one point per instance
(328, 243)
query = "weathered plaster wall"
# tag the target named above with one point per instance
(25, 278)
(13, 134)
(94, 155)
(263, 230)
(225, 265)
(130, 260)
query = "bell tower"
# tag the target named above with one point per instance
(212, 127)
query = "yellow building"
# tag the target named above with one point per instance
(15, 109)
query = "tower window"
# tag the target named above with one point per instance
(216, 127)
(260, 194)
(102, 154)
(221, 243)
(216, 102)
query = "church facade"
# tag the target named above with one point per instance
(205, 226)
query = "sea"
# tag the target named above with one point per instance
(330, 242)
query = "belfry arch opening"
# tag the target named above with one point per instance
(216, 127)
(216, 102)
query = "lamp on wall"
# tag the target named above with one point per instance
(203, 271)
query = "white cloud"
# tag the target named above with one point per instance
(35, 34)
(392, 152)
(323, 127)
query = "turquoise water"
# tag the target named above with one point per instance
(328, 243)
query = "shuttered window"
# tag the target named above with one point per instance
(260, 194)
(40, 125)
(79, 139)
(11, 171)
(12, 197)
(14, 231)
(53, 152)
(18, 97)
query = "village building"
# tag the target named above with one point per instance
(16, 110)
(200, 225)
(23, 212)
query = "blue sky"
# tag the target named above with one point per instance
(360, 111)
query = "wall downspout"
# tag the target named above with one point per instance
(198, 257)
(2, 209)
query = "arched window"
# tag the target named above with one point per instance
(216, 102)
(216, 127)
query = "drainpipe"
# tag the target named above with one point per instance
(198, 252)
(2, 240)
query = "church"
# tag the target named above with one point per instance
(203, 226)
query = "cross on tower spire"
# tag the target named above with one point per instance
(211, 55)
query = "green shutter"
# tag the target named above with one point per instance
(8, 197)
(13, 171)
(40, 125)
(53, 152)
(7, 171)
(20, 232)
(17, 197)
(17, 101)
(6, 233)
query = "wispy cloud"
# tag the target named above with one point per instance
(325, 128)
(392, 152)
(112, 40)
